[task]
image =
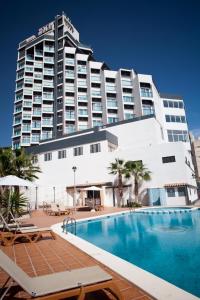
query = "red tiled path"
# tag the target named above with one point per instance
(50, 256)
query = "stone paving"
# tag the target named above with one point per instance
(50, 256)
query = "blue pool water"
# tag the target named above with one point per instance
(167, 245)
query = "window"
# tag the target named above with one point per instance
(78, 151)
(177, 135)
(48, 156)
(61, 154)
(170, 192)
(168, 159)
(177, 119)
(95, 148)
(173, 104)
(181, 191)
(35, 159)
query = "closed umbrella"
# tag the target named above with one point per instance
(93, 188)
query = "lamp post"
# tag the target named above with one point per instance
(36, 197)
(54, 194)
(74, 168)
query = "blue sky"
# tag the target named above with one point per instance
(155, 37)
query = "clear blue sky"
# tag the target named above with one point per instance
(155, 37)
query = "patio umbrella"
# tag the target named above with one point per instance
(93, 188)
(12, 180)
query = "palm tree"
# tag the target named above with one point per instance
(139, 172)
(118, 168)
(18, 163)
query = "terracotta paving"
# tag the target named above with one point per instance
(50, 256)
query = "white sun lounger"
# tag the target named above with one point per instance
(58, 285)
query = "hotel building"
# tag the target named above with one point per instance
(71, 110)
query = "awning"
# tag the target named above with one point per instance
(177, 184)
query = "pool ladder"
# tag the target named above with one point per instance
(69, 221)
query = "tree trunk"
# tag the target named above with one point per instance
(136, 189)
(120, 187)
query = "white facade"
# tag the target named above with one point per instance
(61, 89)
(171, 183)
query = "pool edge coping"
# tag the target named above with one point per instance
(153, 285)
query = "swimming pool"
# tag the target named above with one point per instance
(167, 245)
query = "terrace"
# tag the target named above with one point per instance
(50, 256)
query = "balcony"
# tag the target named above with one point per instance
(27, 103)
(28, 80)
(112, 104)
(49, 60)
(69, 101)
(37, 112)
(49, 49)
(69, 61)
(47, 109)
(148, 110)
(47, 122)
(113, 119)
(49, 72)
(48, 96)
(97, 107)
(95, 78)
(83, 127)
(69, 115)
(28, 92)
(38, 65)
(18, 98)
(146, 92)
(127, 83)
(16, 133)
(25, 140)
(69, 88)
(128, 99)
(35, 138)
(17, 121)
(70, 129)
(29, 69)
(82, 83)
(36, 124)
(26, 128)
(48, 84)
(37, 87)
(83, 112)
(82, 98)
(27, 116)
(38, 53)
(82, 69)
(18, 109)
(111, 88)
(69, 74)
(30, 57)
(128, 115)
(38, 75)
(97, 123)
(96, 93)
(37, 99)
(46, 135)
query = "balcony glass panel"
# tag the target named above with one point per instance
(27, 116)
(28, 103)
(29, 57)
(128, 99)
(37, 112)
(48, 72)
(38, 65)
(17, 121)
(37, 87)
(112, 103)
(148, 110)
(110, 88)
(83, 112)
(113, 119)
(47, 122)
(69, 101)
(146, 92)
(96, 78)
(126, 83)
(82, 83)
(49, 49)
(19, 97)
(48, 96)
(37, 99)
(70, 128)
(46, 135)
(69, 61)
(26, 128)
(25, 140)
(18, 109)
(82, 69)
(38, 53)
(29, 69)
(97, 123)
(48, 83)
(36, 124)
(96, 106)
(28, 80)
(48, 109)
(69, 74)
(35, 138)
(96, 93)
(82, 97)
(83, 127)
(38, 75)
(49, 60)
(70, 115)
(128, 115)
(69, 87)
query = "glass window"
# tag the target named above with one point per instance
(48, 156)
(170, 192)
(61, 154)
(167, 118)
(181, 191)
(78, 151)
(168, 159)
(165, 103)
(95, 148)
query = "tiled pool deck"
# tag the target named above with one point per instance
(49, 256)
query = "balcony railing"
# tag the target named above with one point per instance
(147, 93)
(38, 53)
(48, 96)
(70, 115)
(69, 74)
(70, 129)
(48, 83)
(35, 138)
(83, 112)
(26, 128)
(48, 109)
(112, 103)
(49, 60)
(37, 99)
(37, 112)
(49, 49)
(25, 140)
(48, 72)
(128, 99)
(97, 107)
(47, 122)
(69, 61)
